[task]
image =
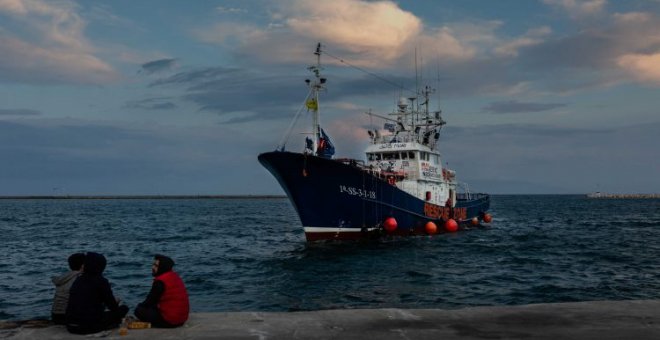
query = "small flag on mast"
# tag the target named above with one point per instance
(312, 104)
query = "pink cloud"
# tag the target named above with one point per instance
(643, 67)
(49, 46)
(25, 62)
(381, 28)
(371, 34)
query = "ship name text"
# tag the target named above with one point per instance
(363, 193)
(393, 146)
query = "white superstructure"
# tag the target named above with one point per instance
(408, 157)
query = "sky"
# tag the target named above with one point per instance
(179, 97)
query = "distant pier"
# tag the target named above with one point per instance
(622, 196)
(140, 197)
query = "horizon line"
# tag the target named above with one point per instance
(138, 196)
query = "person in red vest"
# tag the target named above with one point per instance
(167, 304)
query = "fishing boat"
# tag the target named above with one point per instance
(400, 188)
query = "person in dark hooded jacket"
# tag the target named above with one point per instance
(167, 303)
(63, 284)
(89, 297)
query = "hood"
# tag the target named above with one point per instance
(94, 264)
(165, 264)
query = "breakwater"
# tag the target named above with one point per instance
(623, 196)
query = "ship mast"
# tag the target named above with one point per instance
(316, 85)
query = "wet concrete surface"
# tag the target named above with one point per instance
(581, 320)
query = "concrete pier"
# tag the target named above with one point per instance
(581, 320)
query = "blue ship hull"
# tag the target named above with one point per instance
(341, 200)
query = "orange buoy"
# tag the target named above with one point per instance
(488, 218)
(475, 221)
(390, 224)
(430, 228)
(451, 225)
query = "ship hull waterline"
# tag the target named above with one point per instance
(338, 200)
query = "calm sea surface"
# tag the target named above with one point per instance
(250, 255)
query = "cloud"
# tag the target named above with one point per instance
(444, 44)
(471, 57)
(87, 157)
(102, 14)
(602, 55)
(46, 44)
(196, 76)
(379, 35)
(225, 10)
(632, 18)
(579, 8)
(55, 23)
(19, 112)
(513, 106)
(102, 158)
(532, 37)
(159, 65)
(235, 33)
(12, 6)
(374, 34)
(587, 49)
(161, 103)
(378, 29)
(242, 95)
(270, 96)
(237, 94)
(26, 63)
(369, 33)
(540, 156)
(644, 67)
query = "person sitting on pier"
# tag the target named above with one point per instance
(62, 285)
(89, 296)
(167, 304)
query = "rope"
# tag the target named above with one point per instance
(287, 134)
(399, 86)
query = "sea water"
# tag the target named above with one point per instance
(251, 255)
